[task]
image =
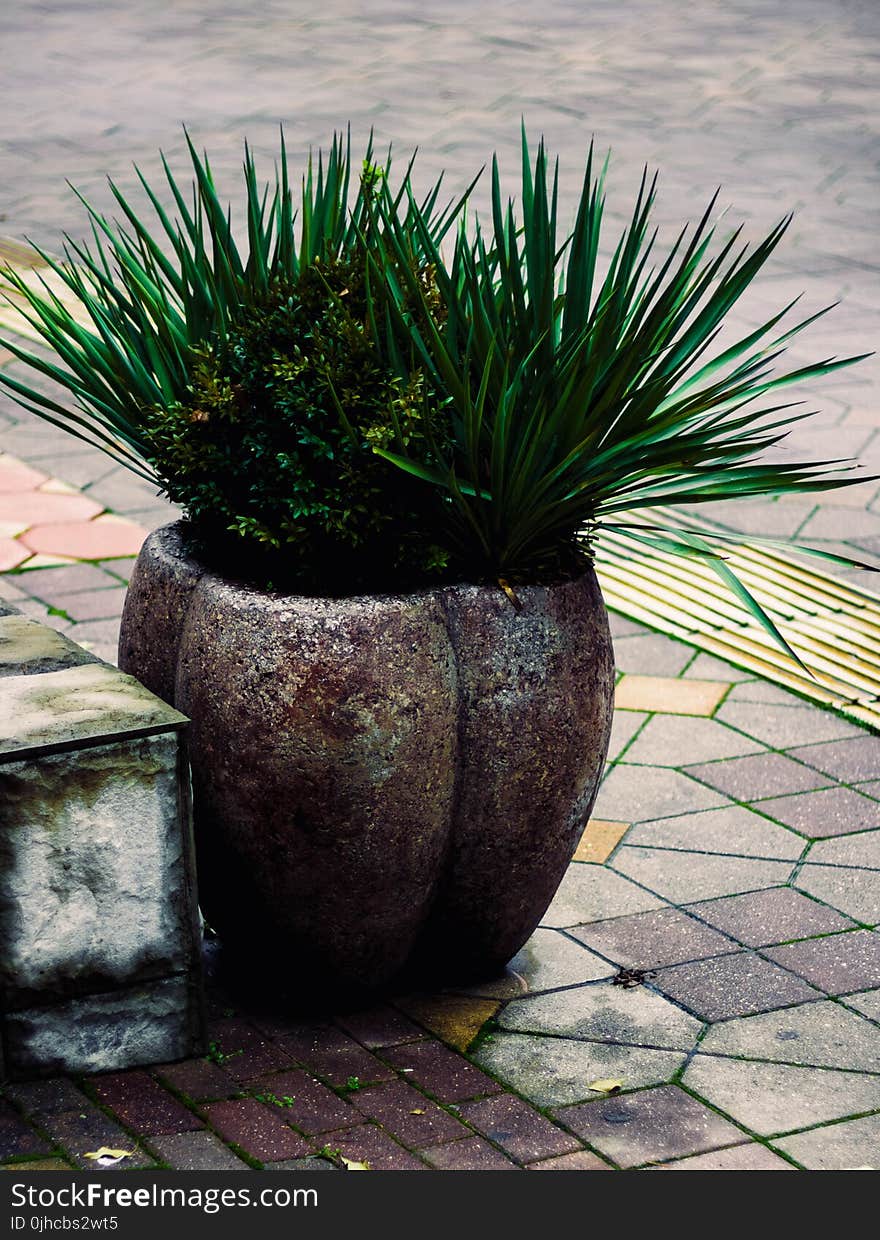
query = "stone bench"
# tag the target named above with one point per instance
(99, 937)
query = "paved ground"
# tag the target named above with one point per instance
(731, 869)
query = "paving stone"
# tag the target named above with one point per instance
(771, 1098)
(38, 1164)
(247, 1054)
(668, 695)
(592, 892)
(196, 1151)
(39, 1097)
(374, 1147)
(751, 1157)
(552, 1071)
(199, 1079)
(707, 667)
(97, 605)
(832, 811)
(649, 940)
(687, 876)
(94, 539)
(311, 1163)
(456, 1019)
(624, 726)
(665, 738)
(332, 1054)
(87, 1129)
(520, 1130)
(16, 1136)
(775, 915)
(409, 1116)
(851, 1146)
(822, 1034)
(52, 583)
(784, 727)
(651, 653)
(599, 840)
(380, 1026)
(580, 1160)
(855, 892)
(868, 1003)
(732, 830)
(256, 1128)
(731, 986)
(472, 1154)
(851, 761)
(315, 1108)
(550, 960)
(440, 1071)
(640, 793)
(605, 1012)
(144, 1105)
(837, 964)
(649, 1125)
(758, 776)
(861, 849)
(763, 691)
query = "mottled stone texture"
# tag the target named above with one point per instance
(99, 940)
(381, 780)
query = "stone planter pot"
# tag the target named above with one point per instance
(381, 782)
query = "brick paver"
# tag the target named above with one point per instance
(725, 779)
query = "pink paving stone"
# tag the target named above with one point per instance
(100, 539)
(12, 553)
(16, 477)
(40, 507)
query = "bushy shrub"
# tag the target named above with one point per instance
(271, 455)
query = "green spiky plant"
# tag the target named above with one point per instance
(578, 398)
(559, 395)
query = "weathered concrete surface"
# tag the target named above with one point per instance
(383, 778)
(155, 1022)
(97, 877)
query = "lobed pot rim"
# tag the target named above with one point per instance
(177, 531)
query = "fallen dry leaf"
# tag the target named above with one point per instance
(606, 1087)
(417, 1112)
(351, 1165)
(105, 1157)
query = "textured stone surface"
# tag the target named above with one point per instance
(733, 829)
(76, 704)
(519, 1129)
(851, 1146)
(822, 1033)
(854, 892)
(651, 1125)
(776, 915)
(553, 1071)
(649, 940)
(605, 1012)
(419, 692)
(550, 960)
(96, 885)
(751, 1157)
(592, 893)
(837, 964)
(196, 1151)
(830, 811)
(732, 986)
(773, 1098)
(26, 646)
(141, 1025)
(685, 876)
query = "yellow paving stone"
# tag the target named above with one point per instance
(456, 1019)
(668, 695)
(599, 840)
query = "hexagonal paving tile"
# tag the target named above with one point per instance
(593, 892)
(605, 1012)
(550, 960)
(553, 1071)
(640, 793)
(686, 876)
(734, 829)
(854, 892)
(773, 1098)
(823, 1034)
(851, 1146)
